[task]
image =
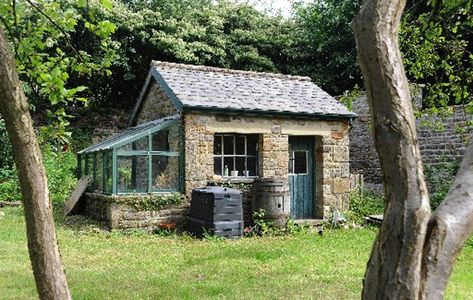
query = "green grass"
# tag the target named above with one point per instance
(103, 265)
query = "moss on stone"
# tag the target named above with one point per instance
(144, 202)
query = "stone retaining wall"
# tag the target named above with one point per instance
(118, 215)
(437, 145)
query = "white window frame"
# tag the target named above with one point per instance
(234, 155)
(292, 160)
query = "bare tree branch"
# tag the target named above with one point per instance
(450, 227)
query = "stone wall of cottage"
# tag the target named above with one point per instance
(274, 154)
(198, 140)
(155, 105)
(332, 152)
(440, 140)
(331, 148)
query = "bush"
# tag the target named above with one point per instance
(6, 156)
(9, 186)
(60, 169)
(440, 177)
(363, 204)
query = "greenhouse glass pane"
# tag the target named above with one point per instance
(98, 180)
(107, 173)
(82, 165)
(132, 174)
(90, 165)
(139, 145)
(174, 134)
(161, 141)
(165, 172)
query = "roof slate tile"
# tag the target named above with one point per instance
(217, 88)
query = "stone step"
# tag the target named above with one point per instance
(311, 222)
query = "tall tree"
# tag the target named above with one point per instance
(49, 275)
(414, 252)
(326, 44)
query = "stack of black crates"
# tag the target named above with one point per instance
(216, 210)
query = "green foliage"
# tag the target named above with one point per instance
(210, 236)
(437, 51)
(294, 229)
(6, 155)
(56, 43)
(362, 204)
(266, 228)
(215, 33)
(148, 202)
(262, 227)
(9, 186)
(436, 47)
(326, 45)
(349, 96)
(80, 138)
(440, 177)
(60, 169)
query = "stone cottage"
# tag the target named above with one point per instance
(213, 125)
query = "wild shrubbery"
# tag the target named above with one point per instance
(364, 203)
(60, 169)
(440, 177)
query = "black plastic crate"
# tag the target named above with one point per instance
(216, 210)
(216, 204)
(229, 229)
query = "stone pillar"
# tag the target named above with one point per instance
(274, 155)
(199, 153)
(333, 155)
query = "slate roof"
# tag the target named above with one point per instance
(208, 88)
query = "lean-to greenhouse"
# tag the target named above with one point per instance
(143, 159)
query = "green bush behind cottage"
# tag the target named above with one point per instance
(60, 169)
(6, 158)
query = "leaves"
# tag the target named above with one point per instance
(49, 57)
(327, 46)
(437, 51)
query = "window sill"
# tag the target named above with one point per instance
(238, 179)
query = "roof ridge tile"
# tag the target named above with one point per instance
(203, 68)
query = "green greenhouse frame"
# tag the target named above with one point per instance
(144, 159)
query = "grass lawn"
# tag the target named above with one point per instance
(104, 265)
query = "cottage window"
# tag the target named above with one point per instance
(236, 155)
(298, 162)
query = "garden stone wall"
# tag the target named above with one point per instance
(436, 145)
(116, 214)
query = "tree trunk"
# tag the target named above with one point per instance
(394, 267)
(410, 254)
(42, 244)
(450, 227)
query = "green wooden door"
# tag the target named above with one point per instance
(301, 177)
